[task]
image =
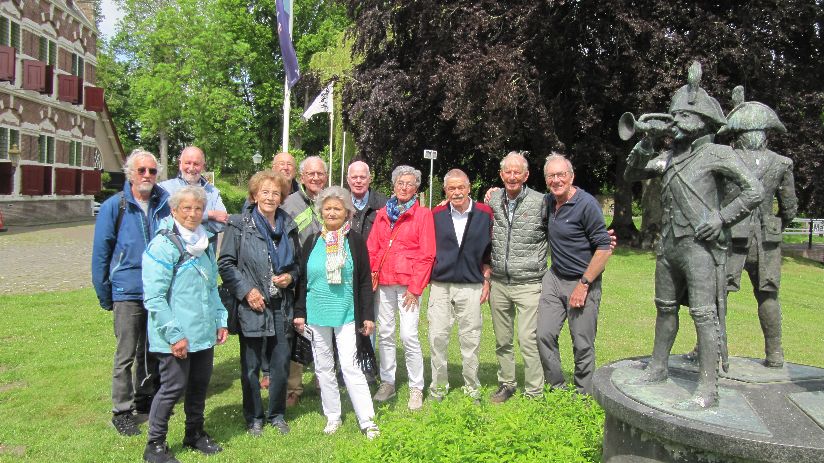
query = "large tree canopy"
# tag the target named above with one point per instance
(477, 79)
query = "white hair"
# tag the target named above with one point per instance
(303, 164)
(195, 191)
(339, 193)
(136, 154)
(402, 170)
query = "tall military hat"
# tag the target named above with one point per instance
(693, 98)
(750, 115)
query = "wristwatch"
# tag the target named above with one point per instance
(584, 281)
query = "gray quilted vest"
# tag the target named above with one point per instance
(519, 248)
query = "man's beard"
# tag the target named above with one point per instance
(190, 178)
(145, 187)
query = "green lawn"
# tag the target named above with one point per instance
(56, 351)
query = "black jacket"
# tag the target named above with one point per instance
(362, 220)
(254, 272)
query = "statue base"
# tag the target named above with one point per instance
(763, 415)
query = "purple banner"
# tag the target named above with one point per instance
(290, 59)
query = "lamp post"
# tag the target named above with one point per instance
(256, 158)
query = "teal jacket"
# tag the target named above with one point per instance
(191, 309)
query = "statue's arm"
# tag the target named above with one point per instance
(643, 163)
(751, 190)
(787, 201)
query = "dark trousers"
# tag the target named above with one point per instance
(254, 351)
(134, 371)
(189, 376)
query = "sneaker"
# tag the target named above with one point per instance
(125, 424)
(415, 399)
(292, 400)
(503, 394)
(203, 443)
(385, 392)
(255, 428)
(332, 427)
(280, 425)
(371, 432)
(158, 452)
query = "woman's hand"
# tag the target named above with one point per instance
(410, 301)
(255, 300)
(222, 335)
(368, 328)
(180, 349)
(299, 324)
(283, 280)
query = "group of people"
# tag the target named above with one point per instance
(343, 268)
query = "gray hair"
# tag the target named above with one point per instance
(402, 170)
(339, 193)
(553, 156)
(349, 169)
(517, 156)
(136, 154)
(303, 164)
(195, 191)
(455, 173)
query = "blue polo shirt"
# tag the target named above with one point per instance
(575, 231)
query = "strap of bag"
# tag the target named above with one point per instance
(391, 240)
(121, 209)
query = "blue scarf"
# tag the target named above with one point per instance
(280, 246)
(394, 210)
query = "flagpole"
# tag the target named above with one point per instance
(342, 158)
(331, 130)
(287, 99)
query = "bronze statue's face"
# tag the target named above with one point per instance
(688, 125)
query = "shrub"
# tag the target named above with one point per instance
(233, 196)
(559, 427)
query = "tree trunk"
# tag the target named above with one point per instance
(164, 155)
(622, 222)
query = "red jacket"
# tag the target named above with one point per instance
(409, 261)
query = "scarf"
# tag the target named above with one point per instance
(394, 210)
(335, 252)
(196, 241)
(280, 246)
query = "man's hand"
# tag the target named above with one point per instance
(710, 229)
(368, 328)
(255, 300)
(579, 296)
(485, 292)
(180, 349)
(410, 301)
(222, 335)
(613, 240)
(283, 280)
(489, 194)
(219, 216)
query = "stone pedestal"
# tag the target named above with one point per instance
(764, 414)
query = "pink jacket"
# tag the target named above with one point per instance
(409, 261)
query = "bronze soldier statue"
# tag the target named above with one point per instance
(756, 240)
(690, 265)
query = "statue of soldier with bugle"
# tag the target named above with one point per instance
(690, 265)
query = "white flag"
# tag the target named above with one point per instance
(322, 103)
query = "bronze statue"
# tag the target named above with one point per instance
(691, 258)
(756, 240)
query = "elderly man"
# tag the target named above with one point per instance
(300, 206)
(125, 224)
(459, 282)
(690, 263)
(366, 200)
(519, 246)
(192, 163)
(571, 289)
(286, 165)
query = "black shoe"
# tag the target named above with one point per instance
(158, 452)
(125, 424)
(255, 428)
(503, 394)
(280, 425)
(203, 443)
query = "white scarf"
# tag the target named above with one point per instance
(196, 241)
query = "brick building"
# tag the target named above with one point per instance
(56, 135)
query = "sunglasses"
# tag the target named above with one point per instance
(142, 170)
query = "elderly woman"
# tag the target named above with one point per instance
(186, 320)
(259, 260)
(335, 306)
(401, 252)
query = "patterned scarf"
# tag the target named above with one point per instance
(280, 246)
(335, 251)
(394, 210)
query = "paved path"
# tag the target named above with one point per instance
(46, 258)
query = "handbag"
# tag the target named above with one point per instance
(228, 299)
(376, 273)
(302, 347)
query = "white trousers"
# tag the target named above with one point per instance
(389, 301)
(352, 375)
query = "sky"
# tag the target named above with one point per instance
(110, 16)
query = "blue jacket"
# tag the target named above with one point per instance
(117, 260)
(213, 200)
(181, 304)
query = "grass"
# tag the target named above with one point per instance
(55, 362)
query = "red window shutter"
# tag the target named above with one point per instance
(48, 87)
(94, 99)
(67, 88)
(7, 63)
(32, 179)
(91, 182)
(6, 178)
(34, 75)
(64, 181)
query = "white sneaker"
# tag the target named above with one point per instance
(415, 398)
(371, 432)
(332, 427)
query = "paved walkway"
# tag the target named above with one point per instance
(46, 258)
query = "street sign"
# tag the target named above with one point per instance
(430, 154)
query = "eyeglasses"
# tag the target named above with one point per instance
(558, 175)
(314, 174)
(142, 170)
(406, 184)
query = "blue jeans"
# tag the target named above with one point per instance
(254, 351)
